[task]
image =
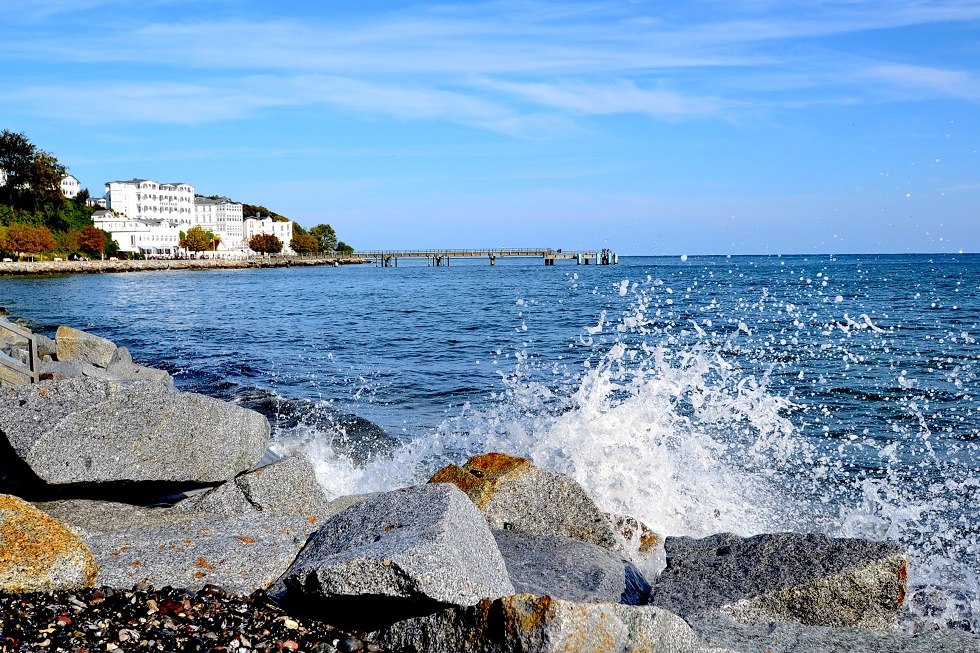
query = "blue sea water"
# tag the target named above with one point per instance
(748, 394)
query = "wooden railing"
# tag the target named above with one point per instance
(18, 370)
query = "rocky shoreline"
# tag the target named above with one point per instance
(31, 268)
(134, 516)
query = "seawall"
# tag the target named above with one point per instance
(93, 267)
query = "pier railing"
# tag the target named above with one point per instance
(18, 355)
(386, 257)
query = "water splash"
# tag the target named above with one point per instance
(697, 417)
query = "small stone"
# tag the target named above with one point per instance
(350, 644)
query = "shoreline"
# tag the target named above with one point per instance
(45, 268)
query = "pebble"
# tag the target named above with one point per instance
(166, 619)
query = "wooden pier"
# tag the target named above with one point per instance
(440, 257)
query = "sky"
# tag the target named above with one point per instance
(705, 127)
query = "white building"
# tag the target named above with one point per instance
(223, 218)
(281, 230)
(145, 199)
(148, 237)
(167, 209)
(69, 186)
(97, 202)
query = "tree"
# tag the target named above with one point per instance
(265, 244)
(16, 158)
(111, 246)
(304, 244)
(68, 241)
(196, 239)
(33, 176)
(92, 241)
(344, 248)
(326, 235)
(24, 239)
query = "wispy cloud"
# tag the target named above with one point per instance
(167, 103)
(514, 66)
(588, 98)
(913, 81)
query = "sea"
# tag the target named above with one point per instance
(701, 394)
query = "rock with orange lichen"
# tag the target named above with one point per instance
(535, 624)
(38, 553)
(513, 494)
(164, 546)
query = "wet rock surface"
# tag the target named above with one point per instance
(807, 578)
(567, 569)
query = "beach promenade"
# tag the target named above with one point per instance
(82, 267)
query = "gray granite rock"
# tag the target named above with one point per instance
(45, 346)
(533, 624)
(413, 549)
(287, 486)
(84, 431)
(515, 495)
(546, 565)
(117, 371)
(53, 370)
(131, 371)
(75, 346)
(723, 631)
(240, 553)
(38, 553)
(121, 357)
(810, 579)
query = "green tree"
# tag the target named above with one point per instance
(197, 240)
(111, 246)
(16, 160)
(304, 244)
(326, 235)
(33, 176)
(344, 248)
(265, 244)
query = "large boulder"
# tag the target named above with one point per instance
(546, 565)
(75, 346)
(513, 494)
(90, 431)
(532, 624)
(397, 554)
(241, 553)
(810, 579)
(286, 486)
(38, 553)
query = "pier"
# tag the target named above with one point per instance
(442, 257)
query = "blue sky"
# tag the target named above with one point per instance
(725, 127)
